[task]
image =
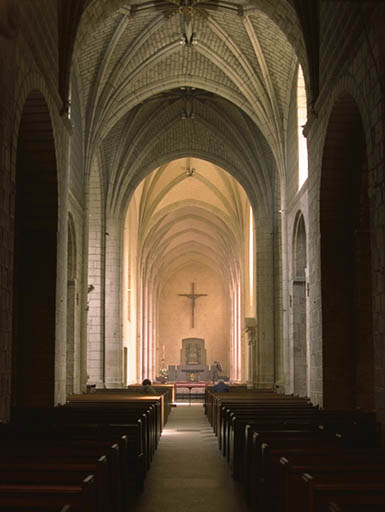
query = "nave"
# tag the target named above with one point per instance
(120, 450)
(188, 471)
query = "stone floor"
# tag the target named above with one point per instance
(188, 472)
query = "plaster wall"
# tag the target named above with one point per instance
(212, 321)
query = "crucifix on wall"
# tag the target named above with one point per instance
(193, 296)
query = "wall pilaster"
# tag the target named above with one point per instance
(113, 330)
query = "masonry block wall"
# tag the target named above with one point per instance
(95, 311)
(352, 54)
(294, 204)
(113, 303)
(29, 61)
(77, 175)
(7, 197)
(346, 67)
(292, 145)
(77, 209)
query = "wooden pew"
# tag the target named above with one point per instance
(294, 465)
(366, 507)
(116, 408)
(237, 420)
(233, 440)
(34, 471)
(135, 424)
(110, 415)
(225, 406)
(232, 426)
(72, 452)
(360, 488)
(81, 497)
(80, 430)
(268, 448)
(143, 433)
(345, 435)
(353, 430)
(362, 427)
(35, 508)
(167, 390)
(261, 411)
(248, 398)
(116, 399)
(234, 390)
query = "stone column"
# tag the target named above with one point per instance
(93, 288)
(71, 308)
(113, 305)
(61, 280)
(266, 338)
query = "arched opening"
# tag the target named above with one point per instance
(346, 262)
(186, 238)
(71, 308)
(35, 257)
(301, 121)
(299, 308)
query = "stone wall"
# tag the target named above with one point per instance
(28, 59)
(358, 76)
(352, 56)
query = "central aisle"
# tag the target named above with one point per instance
(188, 473)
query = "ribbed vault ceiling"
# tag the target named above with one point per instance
(190, 211)
(168, 79)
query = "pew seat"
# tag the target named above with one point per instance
(342, 488)
(81, 497)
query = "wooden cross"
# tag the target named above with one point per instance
(193, 296)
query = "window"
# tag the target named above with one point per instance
(302, 119)
(251, 257)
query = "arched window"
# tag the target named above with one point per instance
(302, 119)
(251, 257)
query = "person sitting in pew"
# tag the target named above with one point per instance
(147, 388)
(221, 387)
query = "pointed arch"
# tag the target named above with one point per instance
(35, 257)
(301, 122)
(299, 325)
(346, 288)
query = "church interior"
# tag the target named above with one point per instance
(192, 190)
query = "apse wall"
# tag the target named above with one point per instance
(212, 315)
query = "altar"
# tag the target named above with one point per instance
(193, 367)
